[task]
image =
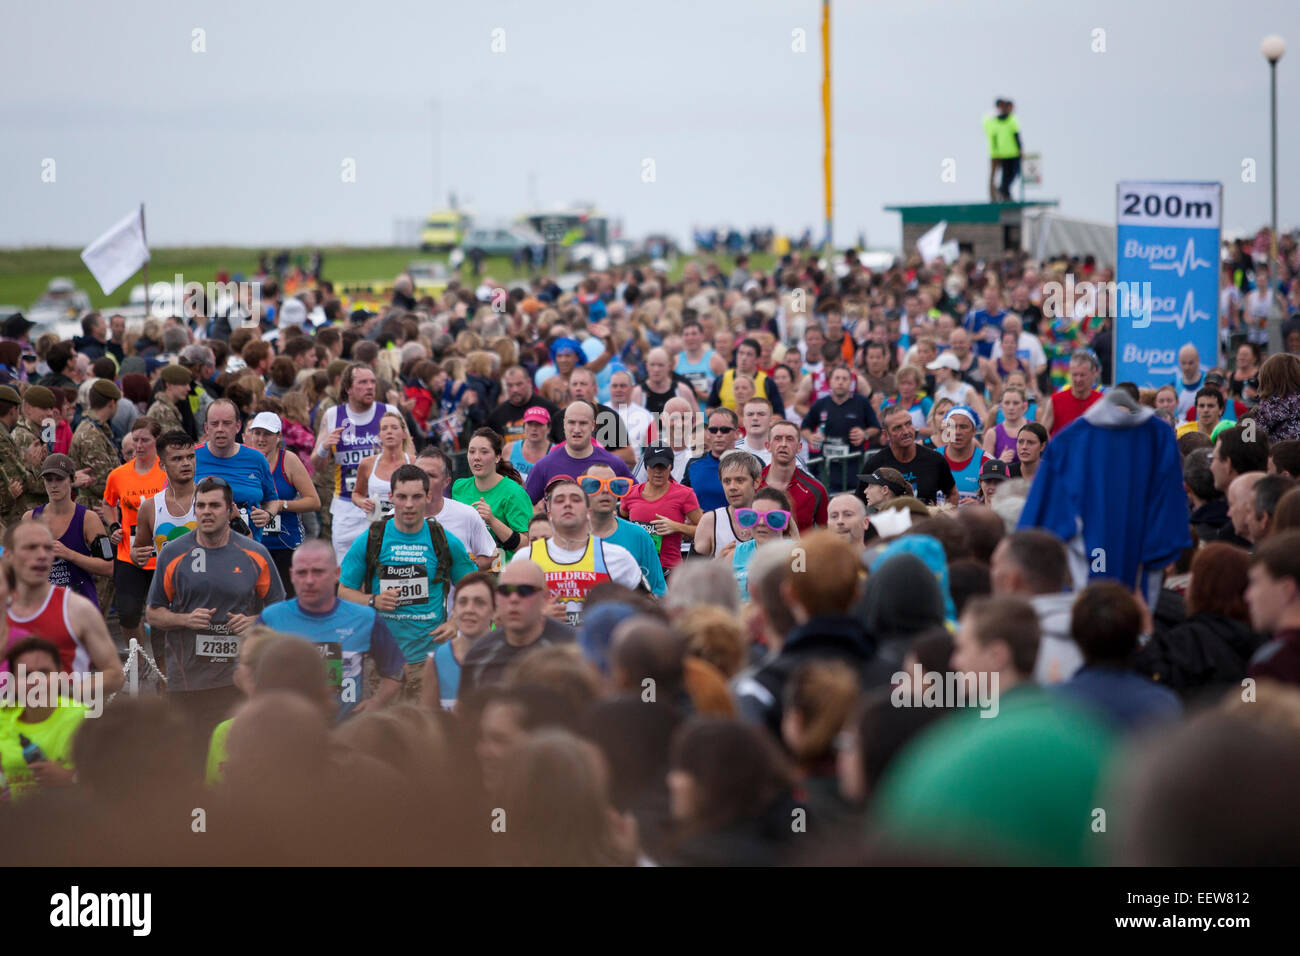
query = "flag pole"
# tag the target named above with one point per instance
(148, 308)
(826, 119)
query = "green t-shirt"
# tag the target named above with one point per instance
(53, 735)
(1002, 132)
(509, 502)
(217, 753)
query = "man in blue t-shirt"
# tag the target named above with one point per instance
(401, 585)
(345, 633)
(985, 325)
(242, 468)
(701, 474)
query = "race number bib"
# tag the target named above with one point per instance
(217, 645)
(243, 516)
(410, 580)
(349, 483)
(383, 508)
(331, 652)
(649, 527)
(573, 613)
(835, 448)
(272, 526)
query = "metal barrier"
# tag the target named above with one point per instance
(845, 468)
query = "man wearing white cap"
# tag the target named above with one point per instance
(964, 456)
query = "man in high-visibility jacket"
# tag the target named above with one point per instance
(1003, 131)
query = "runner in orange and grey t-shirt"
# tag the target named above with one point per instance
(209, 587)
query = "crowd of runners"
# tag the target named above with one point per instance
(740, 567)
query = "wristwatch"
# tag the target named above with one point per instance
(372, 600)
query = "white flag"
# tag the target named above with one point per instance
(117, 254)
(930, 245)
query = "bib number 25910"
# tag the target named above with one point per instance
(411, 581)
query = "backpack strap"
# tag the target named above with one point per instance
(374, 543)
(441, 554)
(437, 539)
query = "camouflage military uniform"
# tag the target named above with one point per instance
(10, 468)
(93, 449)
(165, 414)
(25, 435)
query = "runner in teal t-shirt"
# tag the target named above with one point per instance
(641, 545)
(402, 583)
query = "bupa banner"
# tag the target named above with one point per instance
(1167, 273)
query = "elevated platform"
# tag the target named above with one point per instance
(984, 229)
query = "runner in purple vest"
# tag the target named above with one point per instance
(348, 433)
(1000, 440)
(73, 527)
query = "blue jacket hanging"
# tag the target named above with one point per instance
(1110, 486)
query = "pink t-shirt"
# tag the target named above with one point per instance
(675, 505)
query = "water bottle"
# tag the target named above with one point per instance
(32, 752)
(938, 499)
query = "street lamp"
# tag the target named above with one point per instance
(1273, 46)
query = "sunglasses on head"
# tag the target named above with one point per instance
(523, 590)
(777, 520)
(618, 487)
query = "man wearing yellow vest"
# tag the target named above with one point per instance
(724, 391)
(573, 560)
(1003, 131)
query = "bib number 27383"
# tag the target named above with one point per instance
(217, 644)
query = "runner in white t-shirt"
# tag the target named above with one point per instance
(456, 517)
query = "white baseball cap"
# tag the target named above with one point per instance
(267, 421)
(945, 360)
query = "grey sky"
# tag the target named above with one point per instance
(245, 143)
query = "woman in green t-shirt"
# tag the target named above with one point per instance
(496, 492)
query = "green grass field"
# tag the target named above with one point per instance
(24, 273)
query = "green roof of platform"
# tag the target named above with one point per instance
(975, 212)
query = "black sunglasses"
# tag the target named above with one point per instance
(718, 430)
(523, 590)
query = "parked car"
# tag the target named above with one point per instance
(61, 301)
(502, 240)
